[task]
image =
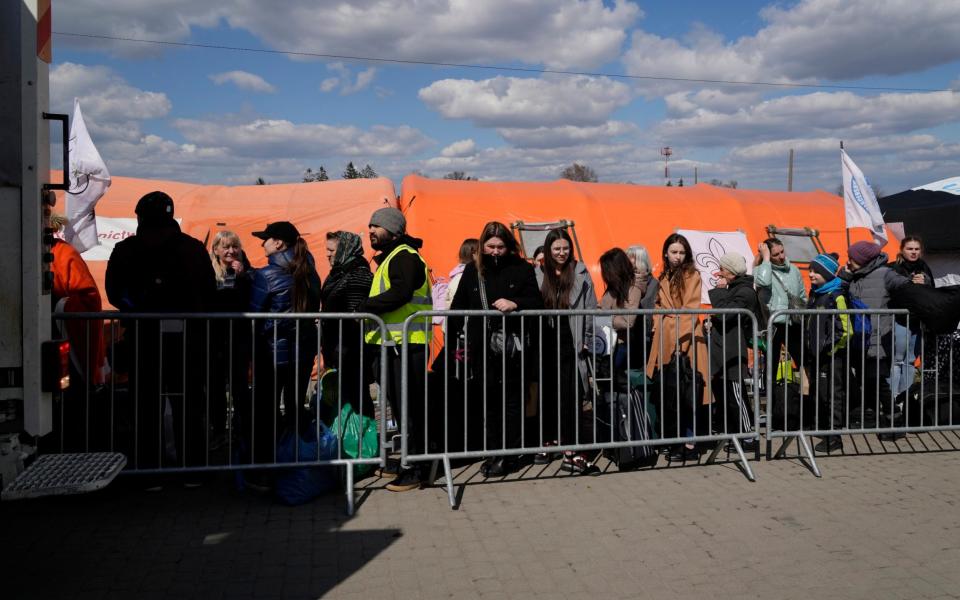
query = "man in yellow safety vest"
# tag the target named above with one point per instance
(401, 288)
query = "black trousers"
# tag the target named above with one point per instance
(168, 379)
(732, 412)
(416, 386)
(830, 389)
(261, 422)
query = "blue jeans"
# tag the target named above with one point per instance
(902, 370)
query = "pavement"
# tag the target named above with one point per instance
(883, 522)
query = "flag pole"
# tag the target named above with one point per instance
(841, 189)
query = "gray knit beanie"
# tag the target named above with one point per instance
(390, 219)
(734, 262)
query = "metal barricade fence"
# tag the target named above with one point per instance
(834, 373)
(195, 392)
(549, 381)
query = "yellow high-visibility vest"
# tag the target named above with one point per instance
(420, 330)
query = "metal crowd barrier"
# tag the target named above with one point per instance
(196, 392)
(844, 377)
(468, 381)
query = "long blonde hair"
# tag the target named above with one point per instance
(223, 236)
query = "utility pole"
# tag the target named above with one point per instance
(666, 152)
(790, 172)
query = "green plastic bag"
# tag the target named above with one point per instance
(350, 428)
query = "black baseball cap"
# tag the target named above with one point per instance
(281, 230)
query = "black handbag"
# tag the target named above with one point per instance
(500, 342)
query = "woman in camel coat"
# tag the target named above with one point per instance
(679, 289)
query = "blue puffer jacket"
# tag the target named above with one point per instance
(272, 291)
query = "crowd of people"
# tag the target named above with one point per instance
(522, 381)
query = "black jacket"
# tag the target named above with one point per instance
(161, 269)
(826, 333)
(909, 269)
(511, 278)
(731, 333)
(406, 276)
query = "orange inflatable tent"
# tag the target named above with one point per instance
(203, 210)
(444, 212)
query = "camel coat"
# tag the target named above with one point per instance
(666, 330)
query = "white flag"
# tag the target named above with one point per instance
(89, 179)
(859, 201)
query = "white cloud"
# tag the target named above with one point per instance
(567, 135)
(719, 101)
(345, 81)
(835, 113)
(612, 161)
(519, 102)
(280, 138)
(559, 34)
(828, 146)
(112, 108)
(460, 149)
(811, 40)
(244, 81)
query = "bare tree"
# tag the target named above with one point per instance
(730, 184)
(459, 176)
(578, 172)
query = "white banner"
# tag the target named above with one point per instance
(89, 180)
(859, 201)
(708, 247)
(111, 230)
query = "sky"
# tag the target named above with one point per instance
(237, 90)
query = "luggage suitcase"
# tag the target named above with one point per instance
(633, 419)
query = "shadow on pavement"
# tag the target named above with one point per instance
(209, 542)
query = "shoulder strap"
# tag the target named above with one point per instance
(483, 292)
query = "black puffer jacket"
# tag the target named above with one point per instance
(729, 342)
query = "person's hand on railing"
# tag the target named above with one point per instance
(504, 305)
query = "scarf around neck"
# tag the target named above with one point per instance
(830, 286)
(349, 255)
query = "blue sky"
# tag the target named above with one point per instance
(223, 116)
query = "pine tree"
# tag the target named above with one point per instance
(261, 181)
(350, 172)
(368, 173)
(322, 174)
(309, 175)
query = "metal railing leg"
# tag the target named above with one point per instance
(448, 474)
(743, 459)
(808, 451)
(350, 502)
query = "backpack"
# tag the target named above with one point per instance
(862, 324)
